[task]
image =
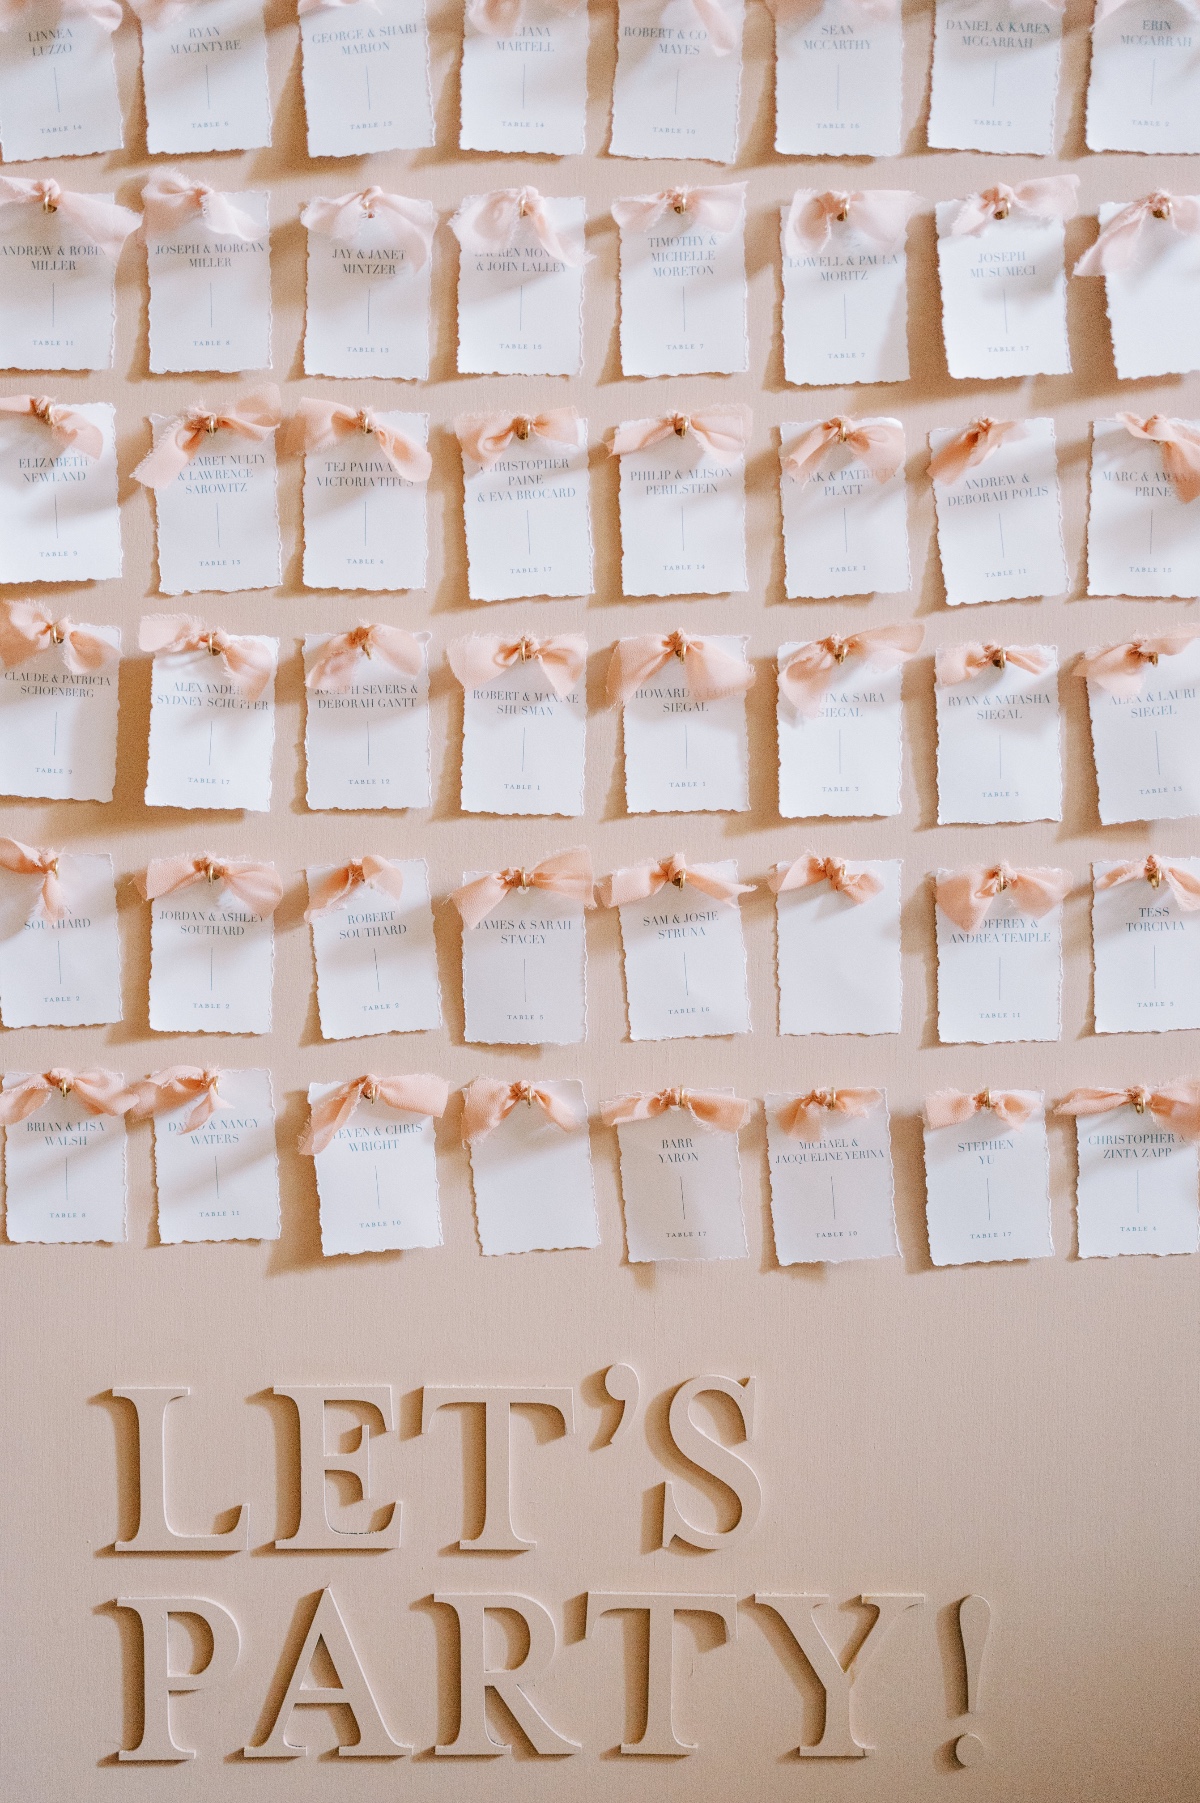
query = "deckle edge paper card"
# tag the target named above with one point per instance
(216, 1172)
(204, 75)
(999, 953)
(59, 253)
(58, 80)
(60, 952)
(58, 491)
(208, 258)
(366, 720)
(829, 1154)
(212, 943)
(845, 509)
(64, 1156)
(987, 1176)
(994, 84)
(1137, 1169)
(524, 951)
(1143, 534)
(531, 1165)
(837, 928)
(683, 290)
(683, 950)
(520, 283)
(1146, 944)
(366, 477)
(58, 705)
(365, 72)
(1144, 707)
(838, 78)
(524, 722)
(1142, 86)
(999, 510)
(212, 715)
(845, 286)
(1148, 253)
(681, 1173)
(1003, 278)
(683, 502)
(677, 87)
(372, 1144)
(523, 77)
(683, 714)
(999, 757)
(367, 298)
(526, 508)
(372, 935)
(840, 723)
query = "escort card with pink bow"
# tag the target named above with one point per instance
(209, 261)
(683, 502)
(60, 954)
(64, 104)
(372, 934)
(1136, 1183)
(999, 951)
(212, 715)
(839, 722)
(845, 286)
(216, 1174)
(684, 954)
(683, 281)
(998, 750)
(59, 250)
(531, 1165)
(525, 504)
(523, 77)
(830, 1158)
(677, 88)
(520, 283)
(995, 76)
(1146, 944)
(204, 75)
(366, 76)
(368, 285)
(1144, 704)
(365, 487)
(212, 943)
(1148, 254)
(64, 1156)
(58, 491)
(987, 1176)
(838, 944)
(372, 1144)
(1003, 280)
(1143, 520)
(681, 1175)
(838, 77)
(684, 721)
(524, 723)
(58, 705)
(1142, 91)
(845, 514)
(999, 510)
(524, 951)
(366, 726)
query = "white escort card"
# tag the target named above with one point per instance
(998, 751)
(366, 743)
(364, 515)
(683, 517)
(1004, 292)
(58, 82)
(520, 294)
(677, 88)
(218, 520)
(1002, 982)
(64, 1173)
(58, 493)
(1143, 536)
(524, 970)
(221, 1180)
(1142, 91)
(995, 77)
(839, 955)
(1146, 949)
(375, 959)
(683, 282)
(1146, 745)
(210, 289)
(64, 971)
(532, 1178)
(58, 720)
(1136, 1189)
(832, 1196)
(57, 296)
(524, 77)
(377, 1180)
(685, 963)
(838, 79)
(845, 759)
(368, 288)
(528, 523)
(999, 525)
(211, 742)
(987, 1190)
(845, 291)
(681, 1183)
(212, 963)
(845, 531)
(682, 755)
(1155, 326)
(366, 77)
(204, 75)
(524, 745)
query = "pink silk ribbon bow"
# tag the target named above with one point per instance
(503, 18)
(803, 872)
(880, 214)
(878, 442)
(408, 1095)
(1175, 1105)
(952, 1108)
(1182, 884)
(1056, 197)
(105, 224)
(1121, 669)
(806, 1117)
(104, 13)
(249, 662)
(101, 1092)
(172, 1087)
(322, 423)
(1116, 247)
(811, 672)
(1180, 442)
(259, 887)
(412, 222)
(568, 873)
(486, 222)
(724, 431)
(184, 437)
(32, 860)
(709, 671)
(338, 663)
(966, 896)
(487, 1101)
(972, 446)
(171, 201)
(716, 209)
(795, 12)
(480, 659)
(25, 632)
(486, 436)
(638, 882)
(76, 432)
(962, 663)
(724, 1114)
(336, 889)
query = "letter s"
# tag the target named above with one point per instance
(708, 1455)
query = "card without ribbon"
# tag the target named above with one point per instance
(838, 79)
(524, 77)
(366, 77)
(204, 75)
(677, 88)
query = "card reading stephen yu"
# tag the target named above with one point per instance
(832, 1188)
(64, 1172)
(987, 1187)
(677, 87)
(998, 754)
(1146, 944)
(219, 1180)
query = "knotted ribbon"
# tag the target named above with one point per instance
(104, 13)
(878, 442)
(972, 446)
(338, 663)
(101, 1092)
(487, 1101)
(105, 224)
(408, 1095)
(568, 873)
(76, 432)
(857, 886)
(1121, 669)
(1181, 883)
(967, 896)
(486, 222)
(172, 201)
(503, 18)
(709, 1107)
(722, 431)
(183, 437)
(806, 1117)
(26, 631)
(638, 882)
(412, 222)
(1175, 1105)
(716, 209)
(1015, 1108)
(33, 860)
(318, 424)
(962, 663)
(259, 887)
(796, 12)
(709, 671)
(880, 214)
(338, 886)
(479, 659)
(247, 661)
(1055, 197)
(810, 672)
(1180, 443)
(486, 436)
(172, 1087)
(1117, 246)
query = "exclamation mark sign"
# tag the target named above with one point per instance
(974, 1620)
